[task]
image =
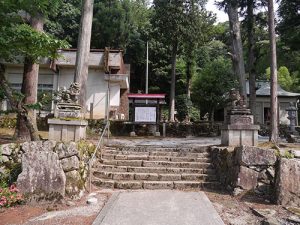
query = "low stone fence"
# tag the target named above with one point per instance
(263, 171)
(46, 169)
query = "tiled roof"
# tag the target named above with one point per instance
(264, 89)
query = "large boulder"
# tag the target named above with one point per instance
(70, 164)
(288, 182)
(253, 156)
(32, 146)
(66, 150)
(42, 174)
(247, 178)
(74, 184)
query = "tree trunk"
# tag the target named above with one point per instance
(251, 58)
(18, 106)
(29, 90)
(237, 47)
(83, 49)
(274, 100)
(188, 78)
(173, 82)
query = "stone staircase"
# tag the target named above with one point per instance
(154, 167)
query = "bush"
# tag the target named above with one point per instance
(7, 122)
(10, 196)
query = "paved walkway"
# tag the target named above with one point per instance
(158, 208)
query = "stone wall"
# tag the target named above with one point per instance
(264, 171)
(288, 182)
(246, 168)
(49, 169)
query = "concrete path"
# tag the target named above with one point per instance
(158, 208)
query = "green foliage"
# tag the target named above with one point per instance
(287, 81)
(64, 25)
(289, 26)
(112, 23)
(7, 122)
(211, 84)
(183, 107)
(23, 40)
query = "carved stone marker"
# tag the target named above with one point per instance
(292, 116)
(239, 128)
(68, 124)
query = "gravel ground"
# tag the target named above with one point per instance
(240, 210)
(67, 213)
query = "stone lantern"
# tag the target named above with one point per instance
(292, 115)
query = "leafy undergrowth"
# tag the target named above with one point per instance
(10, 196)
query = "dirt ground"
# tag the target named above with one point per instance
(233, 211)
(62, 213)
(239, 210)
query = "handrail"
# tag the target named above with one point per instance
(91, 161)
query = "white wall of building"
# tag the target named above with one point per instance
(96, 86)
(96, 90)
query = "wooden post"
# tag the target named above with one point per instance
(91, 110)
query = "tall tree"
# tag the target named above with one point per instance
(84, 42)
(169, 22)
(237, 47)
(20, 39)
(29, 86)
(274, 99)
(251, 57)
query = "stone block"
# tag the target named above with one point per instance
(238, 134)
(146, 176)
(158, 185)
(69, 164)
(74, 183)
(32, 146)
(187, 185)
(67, 130)
(7, 149)
(288, 183)
(247, 178)
(42, 173)
(65, 150)
(123, 176)
(169, 177)
(104, 183)
(129, 162)
(128, 184)
(253, 156)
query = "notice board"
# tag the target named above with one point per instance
(145, 114)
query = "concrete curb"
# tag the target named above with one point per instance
(110, 204)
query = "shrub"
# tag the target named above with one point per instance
(10, 196)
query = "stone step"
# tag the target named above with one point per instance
(198, 149)
(154, 158)
(153, 176)
(171, 170)
(158, 153)
(124, 184)
(144, 163)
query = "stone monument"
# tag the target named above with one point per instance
(239, 128)
(292, 116)
(68, 124)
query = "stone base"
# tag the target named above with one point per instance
(67, 130)
(238, 135)
(132, 134)
(157, 134)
